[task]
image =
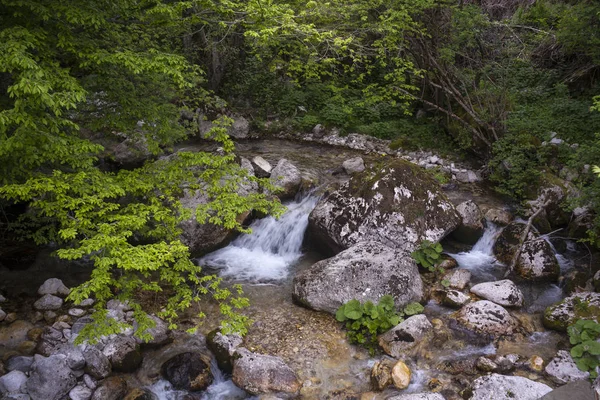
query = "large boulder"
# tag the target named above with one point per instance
(536, 261)
(51, 378)
(288, 177)
(501, 387)
(366, 271)
(188, 371)
(566, 312)
(504, 293)
(262, 374)
(397, 204)
(123, 353)
(487, 318)
(405, 335)
(562, 369)
(96, 363)
(471, 227)
(223, 347)
(553, 192)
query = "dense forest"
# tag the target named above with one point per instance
(493, 82)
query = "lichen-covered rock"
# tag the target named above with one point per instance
(287, 176)
(562, 369)
(397, 204)
(51, 378)
(501, 387)
(504, 293)
(487, 318)
(455, 298)
(223, 347)
(123, 353)
(578, 306)
(536, 261)
(188, 371)
(262, 374)
(471, 227)
(498, 216)
(366, 271)
(48, 302)
(353, 165)
(458, 279)
(55, 287)
(405, 335)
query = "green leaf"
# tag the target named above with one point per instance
(413, 309)
(592, 347)
(387, 302)
(340, 314)
(577, 351)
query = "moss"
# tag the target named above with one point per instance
(559, 316)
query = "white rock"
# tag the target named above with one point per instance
(76, 312)
(504, 292)
(80, 392)
(487, 318)
(12, 382)
(405, 335)
(458, 278)
(500, 387)
(262, 168)
(562, 369)
(418, 396)
(354, 165)
(455, 298)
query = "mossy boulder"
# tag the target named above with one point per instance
(395, 203)
(566, 312)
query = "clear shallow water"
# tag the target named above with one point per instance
(269, 251)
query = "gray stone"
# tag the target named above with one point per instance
(89, 382)
(366, 271)
(76, 312)
(261, 374)
(123, 353)
(55, 287)
(2, 299)
(504, 293)
(418, 396)
(240, 127)
(74, 356)
(471, 227)
(501, 387)
(113, 388)
(498, 216)
(578, 390)
(12, 382)
(2, 315)
(188, 371)
(262, 168)
(161, 333)
(354, 165)
(318, 131)
(17, 396)
(80, 392)
(405, 335)
(455, 298)
(19, 363)
(96, 363)
(396, 204)
(48, 302)
(562, 369)
(487, 318)
(578, 306)
(467, 177)
(458, 279)
(223, 347)
(87, 303)
(51, 378)
(288, 177)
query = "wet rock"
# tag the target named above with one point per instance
(80, 392)
(448, 263)
(580, 390)
(13, 335)
(578, 306)
(455, 299)
(397, 204)
(259, 374)
(401, 375)
(486, 365)
(113, 388)
(535, 363)
(96, 364)
(48, 302)
(12, 382)
(458, 279)
(140, 394)
(161, 334)
(418, 396)
(562, 369)
(487, 318)
(19, 363)
(53, 370)
(188, 371)
(366, 271)
(504, 293)
(287, 176)
(353, 165)
(223, 347)
(123, 353)
(471, 227)
(2, 299)
(405, 335)
(55, 287)
(381, 374)
(498, 216)
(500, 387)
(536, 261)
(262, 168)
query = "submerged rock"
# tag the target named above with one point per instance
(487, 318)
(562, 369)
(504, 293)
(381, 374)
(397, 204)
(262, 374)
(188, 371)
(405, 335)
(287, 176)
(366, 271)
(579, 306)
(471, 227)
(501, 387)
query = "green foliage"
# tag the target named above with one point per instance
(365, 321)
(428, 255)
(583, 335)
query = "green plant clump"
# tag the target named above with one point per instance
(365, 321)
(428, 255)
(585, 351)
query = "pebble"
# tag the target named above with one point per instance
(76, 312)
(401, 375)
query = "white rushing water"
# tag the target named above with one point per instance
(480, 259)
(267, 253)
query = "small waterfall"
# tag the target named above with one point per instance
(266, 253)
(480, 260)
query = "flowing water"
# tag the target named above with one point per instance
(480, 260)
(269, 251)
